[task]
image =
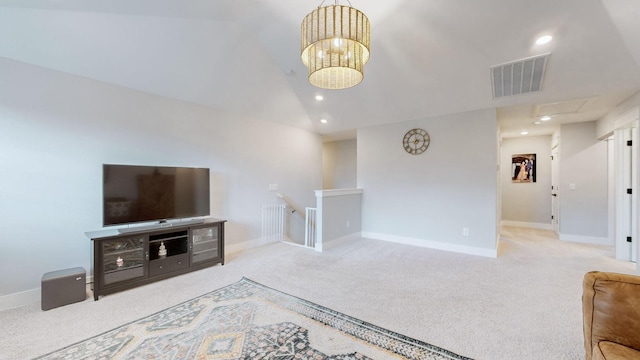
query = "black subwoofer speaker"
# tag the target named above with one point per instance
(63, 287)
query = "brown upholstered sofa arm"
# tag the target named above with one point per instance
(611, 311)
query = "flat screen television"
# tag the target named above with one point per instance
(135, 193)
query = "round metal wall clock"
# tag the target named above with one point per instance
(416, 141)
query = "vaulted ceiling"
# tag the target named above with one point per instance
(428, 58)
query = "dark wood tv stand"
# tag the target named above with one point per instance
(125, 260)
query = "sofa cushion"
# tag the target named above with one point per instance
(611, 310)
(607, 350)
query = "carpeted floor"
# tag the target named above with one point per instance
(523, 305)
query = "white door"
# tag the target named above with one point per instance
(634, 193)
(555, 207)
(626, 194)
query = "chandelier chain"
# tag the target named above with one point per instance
(335, 3)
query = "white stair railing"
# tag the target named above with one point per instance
(310, 230)
(273, 223)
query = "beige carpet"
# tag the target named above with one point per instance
(523, 305)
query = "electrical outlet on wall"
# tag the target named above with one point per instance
(465, 231)
(273, 187)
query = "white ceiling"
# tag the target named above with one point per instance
(428, 57)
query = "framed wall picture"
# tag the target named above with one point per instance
(523, 168)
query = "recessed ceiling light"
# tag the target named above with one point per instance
(319, 97)
(324, 121)
(537, 122)
(545, 118)
(544, 40)
(524, 132)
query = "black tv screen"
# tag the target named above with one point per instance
(133, 193)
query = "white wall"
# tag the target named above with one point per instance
(607, 124)
(339, 214)
(527, 204)
(339, 160)
(428, 199)
(583, 162)
(56, 131)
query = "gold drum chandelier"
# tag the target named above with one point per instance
(335, 46)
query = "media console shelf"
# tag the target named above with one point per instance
(125, 260)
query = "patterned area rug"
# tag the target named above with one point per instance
(247, 320)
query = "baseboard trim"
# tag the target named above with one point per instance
(586, 239)
(19, 299)
(335, 242)
(27, 297)
(528, 225)
(246, 245)
(463, 249)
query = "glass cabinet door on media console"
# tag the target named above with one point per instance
(205, 242)
(123, 259)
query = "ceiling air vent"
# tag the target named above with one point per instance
(518, 77)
